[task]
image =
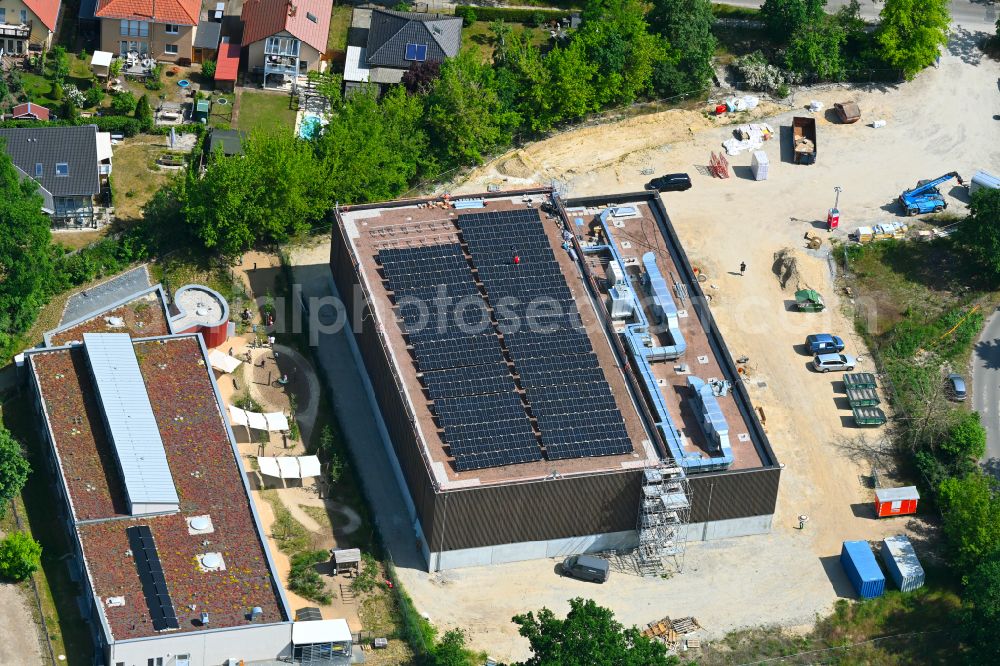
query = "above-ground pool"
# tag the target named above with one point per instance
(311, 125)
(183, 83)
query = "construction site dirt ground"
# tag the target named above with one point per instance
(942, 121)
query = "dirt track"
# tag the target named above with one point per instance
(941, 122)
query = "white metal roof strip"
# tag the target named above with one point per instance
(904, 493)
(320, 631)
(135, 437)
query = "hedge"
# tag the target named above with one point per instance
(512, 15)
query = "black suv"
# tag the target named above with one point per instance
(672, 182)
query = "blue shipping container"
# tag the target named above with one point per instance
(861, 568)
(902, 564)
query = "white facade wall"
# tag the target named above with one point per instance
(208, 647)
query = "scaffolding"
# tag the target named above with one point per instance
(664, 512)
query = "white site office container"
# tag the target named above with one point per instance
(759, 165)
(902, 564)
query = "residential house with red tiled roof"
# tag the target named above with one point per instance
(160, 29)
(284, 38)
(27, 24)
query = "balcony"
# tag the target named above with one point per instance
(22, 31)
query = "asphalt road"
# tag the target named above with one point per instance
(986, 388)
(969, 14)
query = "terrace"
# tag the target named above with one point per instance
(206, 473)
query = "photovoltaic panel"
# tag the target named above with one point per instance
(154, 585)
(446, 322)
(565, 386)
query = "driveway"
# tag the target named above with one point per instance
(986, 388)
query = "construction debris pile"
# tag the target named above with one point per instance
(670, 631)
(786, 267)
(748, 137)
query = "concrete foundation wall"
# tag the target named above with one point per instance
(725, 529)
(531, 550)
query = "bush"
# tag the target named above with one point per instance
(759, 74)
(468, 15)
(143, 113)
(513, 15)
(74, 95)
(14, 469)
(782, 91)
(208, 69)
(123, 103)
(304, 580)
(368, 576)
(20, 556)
(57, 91)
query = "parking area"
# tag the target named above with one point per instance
(934, 125)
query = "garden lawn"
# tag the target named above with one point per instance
(477, 36)
(38, 89)
(340, 23)
(136, 176)
(264, 110)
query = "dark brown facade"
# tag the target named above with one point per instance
(548, 509)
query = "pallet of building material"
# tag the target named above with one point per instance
(685, 625)
(859, 380)
(693, 643)
(862, 397)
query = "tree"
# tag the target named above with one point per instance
(274, 191)
(970, 507)
(589, 636)
(25, 258)
(463, 113)
(420, 77)
(123, 103)
(981, 611)
(784, 18)
(966, 438)
(687, 26)
(208, 70)
(451, 650)
(372, 149)
(571, 92)
(143, 113)
(979, 234)
(20, 556)
(14, 469)
(857, 39)
(59, 63)
(911, 33)
(93, 95)
(817, 49)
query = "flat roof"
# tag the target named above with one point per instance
(135, 437)
(207, 473)
(141, 314)
(370, 229)
(636, 233)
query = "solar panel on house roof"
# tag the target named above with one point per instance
(128, 413)
(416, 52)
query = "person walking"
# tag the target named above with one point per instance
(743, 268)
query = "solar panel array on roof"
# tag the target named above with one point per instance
(131, 423)
(460, 357)
(567, 391)
(154, 585)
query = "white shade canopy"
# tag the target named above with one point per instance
(289, 467)
(223, 362)
(271, 421)
(101, 59)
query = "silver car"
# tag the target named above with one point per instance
(828, 362)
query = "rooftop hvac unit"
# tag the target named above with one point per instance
(256, 613)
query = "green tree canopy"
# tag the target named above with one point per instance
(20, 556)
(143, 112)
(14, 469)
(971, 510)
(372, 150)
(784, 18)
(979, 234)
(687, 26)
(967, 438)
(274, 191)
(25, 257)
(818, 48)
(911, 33)
(464, 115)
(589, 636)
(981, 611)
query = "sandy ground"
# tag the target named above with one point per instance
(943, 121)
(20, 646)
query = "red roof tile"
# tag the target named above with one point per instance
(228, 62)
(263, 18)
(205, 471)
(30, 110)
(182, 12)
(47, 11)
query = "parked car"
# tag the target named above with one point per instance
(586, 567)
(956, 387)
(824, 343)
(828, 362)
(671, 182)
